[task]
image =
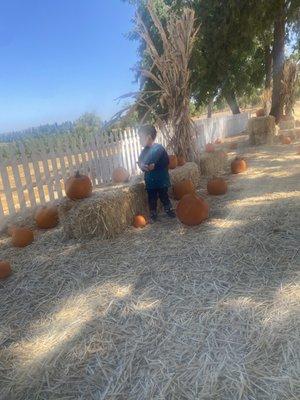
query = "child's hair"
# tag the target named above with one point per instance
(148, 130)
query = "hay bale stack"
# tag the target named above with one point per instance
(261, 130)
(189, 170)
(110, 210)
(287, 122)
(213, 163)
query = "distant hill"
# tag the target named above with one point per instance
(48, 129)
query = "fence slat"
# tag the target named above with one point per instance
(16, 174)
(7, 186)
(28, 178)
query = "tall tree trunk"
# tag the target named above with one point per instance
(278, 63)
(232, 102)
(268, 67)
(209, 108)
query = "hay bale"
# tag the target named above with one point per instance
(294, 134)
(261, 130)
(110, 210)
(213, 163)
(287, 122)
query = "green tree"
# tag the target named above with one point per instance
(87, 124)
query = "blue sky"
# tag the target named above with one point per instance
(61, 58)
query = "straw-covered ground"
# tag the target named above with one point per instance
(168, 312)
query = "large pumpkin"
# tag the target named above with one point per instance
(210, 148)
(181, 161)
(78, 187)
(120, 175)
(260, 113)
(5, 269)
(22, 237)
(47, 217)
(173, 161)
(139, 221)
(182, 188)
(192, 210)
(217, 186)
(238, 166)
(286, 140)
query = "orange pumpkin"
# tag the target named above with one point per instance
(210, 148)
(182, 188)
(5, 269)
(217, 186)
(286, 140)
(120, 175)
(238, 166)
(173, 162)
(260, 113)
(139, 221)
(22, 237)
(181, 161)
(78, 187)
(192, 210)
(47, 217)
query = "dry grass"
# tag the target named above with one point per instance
(167, 312)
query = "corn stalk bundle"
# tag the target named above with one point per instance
(290, 77)
(171, 74)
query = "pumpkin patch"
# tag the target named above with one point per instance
(47, 217)
(192, 210)
(5, 269)
(78, 187)
(22, 237)
(182, 188)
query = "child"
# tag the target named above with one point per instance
(154, 161)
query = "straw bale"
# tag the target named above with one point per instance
(287, 123)
(213, 163)
(261, 130)
(110, 210)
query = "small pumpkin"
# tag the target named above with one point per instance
(5, 269)
(139, 221)
(286, 140)
(260, 113)
(192, 210)
(217, 186)
(120, 175)
(238, 165)
(47, 217)
(181, 161)
(182, 188)
(22, 237)
(78, 187)
(173, 161)
(210, 148)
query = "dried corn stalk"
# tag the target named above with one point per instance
(171, 74)
(290, 77)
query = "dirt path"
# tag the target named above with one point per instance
(168, 312)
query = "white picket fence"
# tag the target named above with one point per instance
(35, 174)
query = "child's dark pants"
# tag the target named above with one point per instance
(162, 194)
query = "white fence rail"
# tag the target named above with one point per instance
(34, 175)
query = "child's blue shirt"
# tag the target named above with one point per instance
(158, 178)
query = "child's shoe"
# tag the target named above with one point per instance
(153, 218)
(171, 214)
